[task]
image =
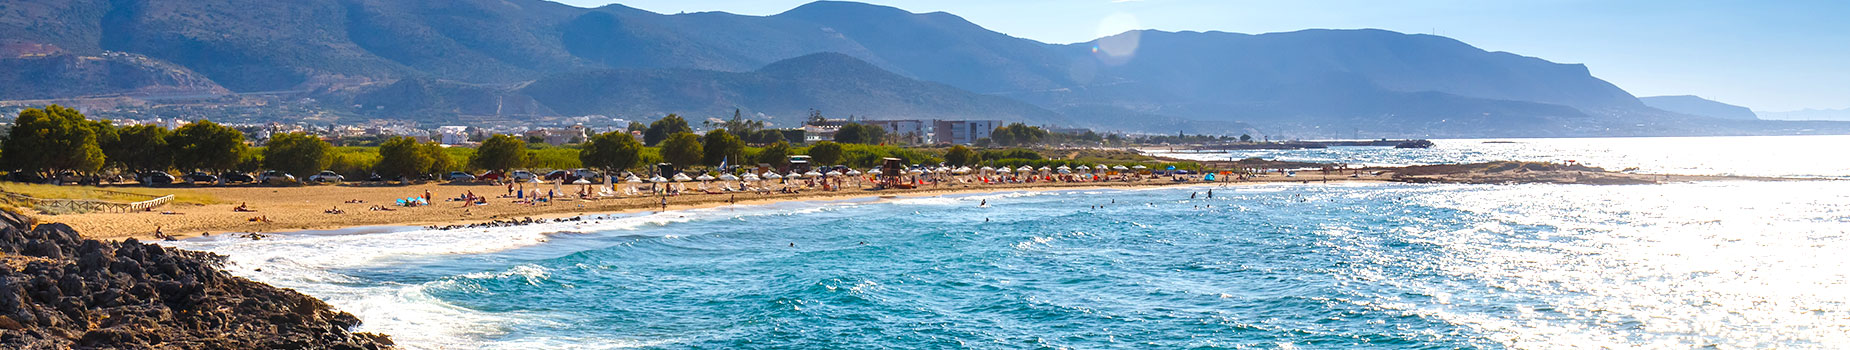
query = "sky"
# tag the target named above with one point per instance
(1765, 55)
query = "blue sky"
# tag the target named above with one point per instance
(1766, 55)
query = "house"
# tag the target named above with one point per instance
(907, 131)
(453, 135)
(962, 132)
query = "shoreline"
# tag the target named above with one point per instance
(279, 210)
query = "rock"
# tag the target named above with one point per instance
(128, 295)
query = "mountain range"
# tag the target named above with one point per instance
(1698, 106)
(449, 60)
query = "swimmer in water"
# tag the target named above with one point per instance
(985, 203)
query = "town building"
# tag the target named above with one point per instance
(907, 131)
(962, 132)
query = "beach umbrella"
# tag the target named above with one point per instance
(873, 171)
(749, 177)
(1024, 168)
(832, 173)
(1082, 167)
(852, 172)
(682, 178)
(961, 170)
(581, 182)
(1120, 167)
(1045, 169)
(987, 169)
(812, 174)
(1066, 171)
(728, 177)
(916, 172)
(658, 179)
(535, 180)
(1002, 170)
(1140, 167)
(705, 177)
(772, 176)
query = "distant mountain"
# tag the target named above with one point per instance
(829, 82)
(1698, 106)
(58, 75)
(461, 60)
(1809, 114)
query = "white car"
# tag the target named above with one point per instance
(327, 176)
(274, 177)
(523, 176)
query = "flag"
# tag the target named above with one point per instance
(722, 163)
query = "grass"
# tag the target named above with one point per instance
(112, 194)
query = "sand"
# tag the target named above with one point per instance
(303, 208)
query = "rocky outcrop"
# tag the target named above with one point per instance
(59, 291)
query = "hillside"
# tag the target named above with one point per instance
(467, 52)
(1698, 106)
(829, 82)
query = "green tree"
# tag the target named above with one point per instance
(719, 146)
(960, 156)
(297, 154)
(401, 157)
(52, 140)
(141, 148)
(207, 145)
(1018, 134)
(440, 161)
(826, 153)
(611, 151)
(777, 154)
(682, 149)
(860, 133)
(500, 153)
(662, 128)
(1246, 138)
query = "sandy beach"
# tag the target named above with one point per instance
(305, 207)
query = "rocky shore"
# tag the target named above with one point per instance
(60, 291)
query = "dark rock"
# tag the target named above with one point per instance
(77, 293)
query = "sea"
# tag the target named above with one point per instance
(1711, 265)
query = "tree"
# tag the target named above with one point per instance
(826, 153)
(777, 154)
(401, 157)
(500, 153)
(1246, 138)
(720, 146)
(207, 145)
(141, 148)
(298, 154)
(52, 140)
(662, 128)
(1018, 134)
(440, 161)
(960, 156)
(637, 127)
(682, 149)
(860, 133)
(610, 151)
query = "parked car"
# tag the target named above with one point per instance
(589, 175)
(201, 176)
(522, 175)
(156, 178)
(461, 176)
(272, 176)
(327, 176)
(238, 177)
(375, 178)
(557, 175)
(491, 175)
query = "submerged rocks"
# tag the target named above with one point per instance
(60, 291)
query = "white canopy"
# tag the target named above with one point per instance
(1045, 169)
(832, 173)
(682, 177)
(581, 182)
(1082, 167)
(873, 171)
(633, 179)
(750, 177)
(658, 179)
(961, 170)
(812, 173)
(793, 175)
(1024, 168)
(1120, 167)
(852, 172)
(728, 177)
(705, 177)
(988, 169)
(1140, 167)
(1102, 167)
(1003, 170)
(772, 176)
(916, 171)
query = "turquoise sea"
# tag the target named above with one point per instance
(1301, 266)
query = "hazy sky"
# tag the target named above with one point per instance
(1766, 55)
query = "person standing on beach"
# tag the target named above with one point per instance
(664, 203)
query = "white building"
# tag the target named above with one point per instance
(962, 132)
(453, 135)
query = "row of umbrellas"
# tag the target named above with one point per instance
(852, 172)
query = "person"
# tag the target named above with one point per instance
(1191, 195)
(1210, 193)
(664, 203)
(985, 203)
(243, 208)
(426, 196)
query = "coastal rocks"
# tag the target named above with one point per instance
(1415, 144)
(60, 291)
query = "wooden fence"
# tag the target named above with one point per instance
(89, 205)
